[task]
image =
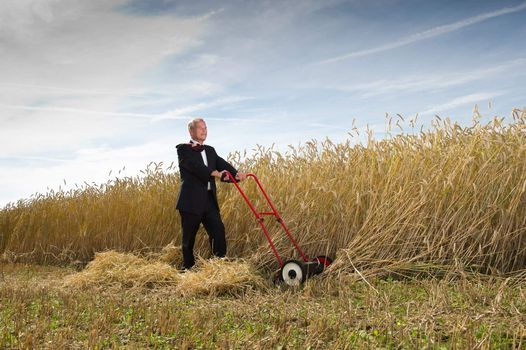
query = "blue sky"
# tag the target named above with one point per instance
(93, 86)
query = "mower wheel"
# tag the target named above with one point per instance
(293, 272)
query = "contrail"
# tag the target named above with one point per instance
(462, 101)
(85, 111)
(63, 90)
(430, 33)
(46, 159)
(182, 113)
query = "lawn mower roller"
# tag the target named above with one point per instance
(292, 272)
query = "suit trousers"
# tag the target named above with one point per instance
(211, 220)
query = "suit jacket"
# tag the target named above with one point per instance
(195, 176)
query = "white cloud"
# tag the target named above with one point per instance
(91, 165)
(77, 111)
(67, 65)
(433, 81)
(81, 82)
(186, 111)
(427, 34)
(34, 174)
(470, 99)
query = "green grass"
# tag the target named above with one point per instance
(328, 312)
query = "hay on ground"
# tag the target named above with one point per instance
(113, 270)
(219, 277)
(171, 254)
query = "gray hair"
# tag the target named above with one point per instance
(192, 123)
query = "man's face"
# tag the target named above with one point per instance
(199, 132)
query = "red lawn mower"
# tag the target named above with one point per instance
(292, 272)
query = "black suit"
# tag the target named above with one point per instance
(196, 203)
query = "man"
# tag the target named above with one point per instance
(199, 166)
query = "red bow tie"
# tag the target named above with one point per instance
(197, 147)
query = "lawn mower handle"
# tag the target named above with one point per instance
(226, 176)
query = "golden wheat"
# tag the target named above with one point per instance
(452, 196)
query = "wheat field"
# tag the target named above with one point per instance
(427, 228)
(448, 197)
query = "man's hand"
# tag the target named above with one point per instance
(241, 176)
(216, 173)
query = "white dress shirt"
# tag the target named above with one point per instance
(205, 160)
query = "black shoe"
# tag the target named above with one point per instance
(184, 269)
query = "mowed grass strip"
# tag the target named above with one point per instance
(329, 312)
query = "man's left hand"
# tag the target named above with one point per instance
(241, 176)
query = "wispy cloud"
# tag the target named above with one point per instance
(69, 67)
(462, 101)
(184, 112)
(33, 174)
(427, 34)
(432, 82)
(181, 113)
(78, 111)
(42, 159)
(90, 86)
(52, 91)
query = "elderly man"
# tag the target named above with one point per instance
(199, 166)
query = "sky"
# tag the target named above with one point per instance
(89, 87)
